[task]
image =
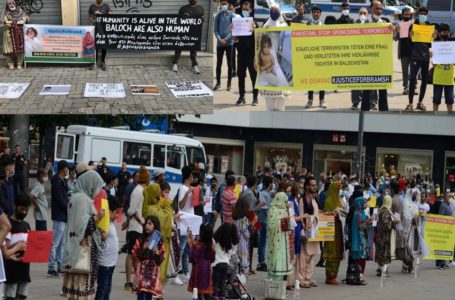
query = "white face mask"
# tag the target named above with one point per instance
(345, 12)
(45, 179)
(376, 17)
(363, 18)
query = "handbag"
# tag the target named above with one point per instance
(82, 265)
(275, 289)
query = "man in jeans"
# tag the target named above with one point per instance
(223, 34)
(192, 10)
(59, 205)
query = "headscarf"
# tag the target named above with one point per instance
(151, 193)
(359, 217)
(13, 15)
(333, 197)
(387, 204)
(80, 210)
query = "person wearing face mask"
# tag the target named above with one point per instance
(443, 76)
(39, 200)
(246, 53)
(420, 60)
(223, 34)
(345, 18)
(315, 16)
(59, 215)
(405, 47)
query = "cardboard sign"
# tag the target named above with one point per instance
(196, 194)
(38, 247)
(242, 26)
(55, 90)
(443, 53)
(12, 90)
(404, 29)
(104, 90)
(144, 90)
(185, 89)
(422, 33)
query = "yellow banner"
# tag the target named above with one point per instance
(422, 33)
(323, 229)
(439, 236)
(103, 223)
(331, 57)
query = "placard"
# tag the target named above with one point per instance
(103, 223)
(189, 221)
(144, 90)
(208, 204)
(404, 29)
(148, 32)
(12, 90)
(443, 53)
(38, 247)
(186, 89)
(330, 57)
(104, 90)
(196, 195)
(439, 236)
(322, 229)
(242, 26)
(422, 33)
(59, 44)
(55, 90)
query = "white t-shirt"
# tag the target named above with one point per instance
(423, 207)
(137, 199)
(40, 195)
(188, 208)
(221, 256)
(109, 253)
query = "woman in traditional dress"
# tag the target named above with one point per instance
(13, 18)
(81, 231)
(385, 235)
(358, 236)
(279, 256)
(334, 251)
(240, 217)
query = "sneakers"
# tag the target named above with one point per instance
(421, 107)
(309, 104)
(241, 101)
(128, 287)
(405, 91)
(374, 107)
(234, 74)
(103, 66)
(322, 104)
(52, 274)
(452, 264)
(186, 278)
(175, 68)
(255, 101)
(228, 87)
(217, 86)
(261, 267)
(177, 281)
(195, 70)
(354, 107)
(60, 273)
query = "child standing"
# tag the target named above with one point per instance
(201, 255)
(17, 272)
(147, 262)
(226, 238)
(108, 256)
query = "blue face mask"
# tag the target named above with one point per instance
(245, 13)
(422, 19)
(274, 16)
(224, 7)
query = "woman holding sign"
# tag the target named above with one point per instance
(13, 18)
(82, 239)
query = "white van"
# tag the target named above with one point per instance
(262, 9)
(169, 152)
(442, 11)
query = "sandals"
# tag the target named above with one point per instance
(421, 107)
(408, 107)
(313, 283)
(289, 287)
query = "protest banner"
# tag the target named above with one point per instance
(12, 90)
(185, 89)
(148, 32)
(59, 44)
(104, 90)
(443, 53)
(242, 26)
(422, 33)
(55, 90)
(144, 90)
(38, 247)
(322, 229)
(103, 223)
(332, 57)
(439, 236)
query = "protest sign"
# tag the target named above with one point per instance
(189, 221)
(38, 247)
(242, 26)
(144, 90)
(148, 32)
(185, 89)
(332, 57)
(104, 90)
(443, 53)
(422, 33)
(439, 236)
(59, 44)
(196, 194)
(404, 29)
(208, 204)
(322, 229)
(56, 90)
(12, 90)
(103, 223)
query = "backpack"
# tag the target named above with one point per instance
(353, 275)
(175, 202)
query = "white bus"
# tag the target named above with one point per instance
(169, 152)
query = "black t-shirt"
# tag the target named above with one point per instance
(19, 161)
(195, 11)
(17, 272)
(124, 177)
(420, 51)
(103, 9)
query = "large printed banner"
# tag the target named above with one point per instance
(148, 32)
(332, 57)
(439, 236)
(322, 229)
(61, 44)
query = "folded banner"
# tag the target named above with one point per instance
(439, 235)
(148, 32)
(38, 247)
(332, 57)
(59, 44)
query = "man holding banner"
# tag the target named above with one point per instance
(99, 8)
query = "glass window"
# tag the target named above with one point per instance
(359, 1)
(450, 173)
(175, 157)
(159, 156)
(221, 158)
(65, 146)
(333, 161)
(279, 158)
(106, 148)
(195, 155)
(438, 5)
(137, 154)
(405, 163)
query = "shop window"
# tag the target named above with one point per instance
(279, 159)
(137, 154)
(159, 156)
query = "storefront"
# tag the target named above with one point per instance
(278, 156)
(406, 162)
(332, 159)
(223, 155)
(449, 167)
